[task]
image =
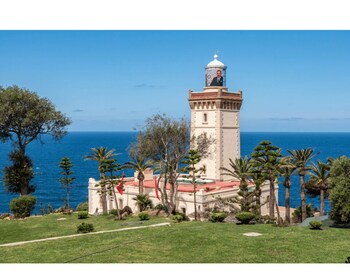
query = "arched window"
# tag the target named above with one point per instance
(205, 118)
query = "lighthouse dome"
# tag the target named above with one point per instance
(215, 62)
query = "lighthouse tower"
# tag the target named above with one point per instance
(215, 111)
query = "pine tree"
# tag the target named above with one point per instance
(66, 179)
(192, 158)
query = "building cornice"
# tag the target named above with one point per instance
(215, 98)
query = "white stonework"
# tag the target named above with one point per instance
(215, 111)
(184, 199)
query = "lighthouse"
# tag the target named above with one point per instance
(215, 112)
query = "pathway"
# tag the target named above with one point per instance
(79, 235)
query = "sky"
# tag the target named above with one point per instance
(112, 80)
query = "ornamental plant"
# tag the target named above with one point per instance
(83, 206)
(85, 228)
(83, 214)
(144, 216)
(218, 217)
(245, 217)
(177, 218)
(23, 206)
(315, 224)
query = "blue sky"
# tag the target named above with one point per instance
(113, 80)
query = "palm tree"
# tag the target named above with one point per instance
(287, 171)
(139, 164)
(241, 169)
(110, 181)
(101, 154)
(319, 181)
(301, 158)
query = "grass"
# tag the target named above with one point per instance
(186, 242)
(37, 227)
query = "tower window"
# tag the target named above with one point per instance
(205, 118)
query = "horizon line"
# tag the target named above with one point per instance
(105, 131)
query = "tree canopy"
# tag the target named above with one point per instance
(340, 190)
(24, 117)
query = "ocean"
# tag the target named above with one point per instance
(76, 145)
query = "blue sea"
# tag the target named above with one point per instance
(76, 145)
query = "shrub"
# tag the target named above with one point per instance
(315, 224)
(265, 219)
(161, 207)
(177, 218)
(143, 202)
(113, 212)
(23, 206)
(218, 217)
(83, 206)
(84, 228)
(144, 216)
(340, 190)
(245, 217)
(310, 210)
(183, 215)
(83, 214)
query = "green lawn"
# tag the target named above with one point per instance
(186, 242)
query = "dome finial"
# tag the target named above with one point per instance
(216, 55)
(216, 62)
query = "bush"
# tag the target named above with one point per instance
(84, 228)
(218, 217)
(83, 206)
(23, 206)
(144, 216)
(143, 202)
(183, 215)
(315, 224)
(83, 214)
(161, 207)
(113, 212)
(245, 217)
(340, 190)
(177, 218)
(310, 210)
(265, 219)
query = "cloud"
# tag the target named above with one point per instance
(78, 110)
(145, 86)
(338, 119)
(287, 119)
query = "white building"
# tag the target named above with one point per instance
(215, 111)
